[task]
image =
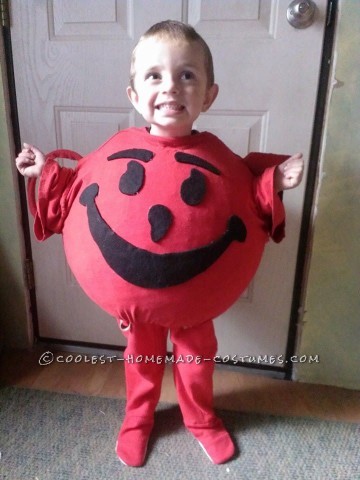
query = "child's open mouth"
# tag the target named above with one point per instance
(170, 106)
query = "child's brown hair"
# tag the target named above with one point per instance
(174, 30)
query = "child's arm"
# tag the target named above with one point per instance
(289, 173)
(274, 173)
(50, 204)
(30, 161)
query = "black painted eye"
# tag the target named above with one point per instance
(193, 188)
(132, 181)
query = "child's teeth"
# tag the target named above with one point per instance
(167, 106)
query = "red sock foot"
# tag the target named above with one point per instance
(215, 441)
(133, 439)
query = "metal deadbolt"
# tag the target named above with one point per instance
(301, 13)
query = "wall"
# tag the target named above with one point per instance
(13, 326)
(332, 318)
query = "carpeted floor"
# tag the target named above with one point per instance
(52, 436)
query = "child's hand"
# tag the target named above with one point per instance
(30, 161)
(289, 174)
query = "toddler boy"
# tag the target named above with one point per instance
(171, 83)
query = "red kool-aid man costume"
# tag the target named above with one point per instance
(164, 233)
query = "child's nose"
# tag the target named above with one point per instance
(170, 85)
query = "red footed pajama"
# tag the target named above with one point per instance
(194, 385)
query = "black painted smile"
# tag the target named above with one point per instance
(152, 270)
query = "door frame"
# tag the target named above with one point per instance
(23, 315)
(304, 249)
(306, 230)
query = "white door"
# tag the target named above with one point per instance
(71, 62)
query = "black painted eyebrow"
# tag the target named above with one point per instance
(135, 153)
(197, 161)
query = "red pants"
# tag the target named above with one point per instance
(144, 367)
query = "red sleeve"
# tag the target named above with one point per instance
(52, 203)
(268, 200)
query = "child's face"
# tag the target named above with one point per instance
(170, 86)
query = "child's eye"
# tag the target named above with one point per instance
(187, 75)
(152, 76)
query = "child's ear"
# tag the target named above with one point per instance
(210, 97)
(133, 97)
